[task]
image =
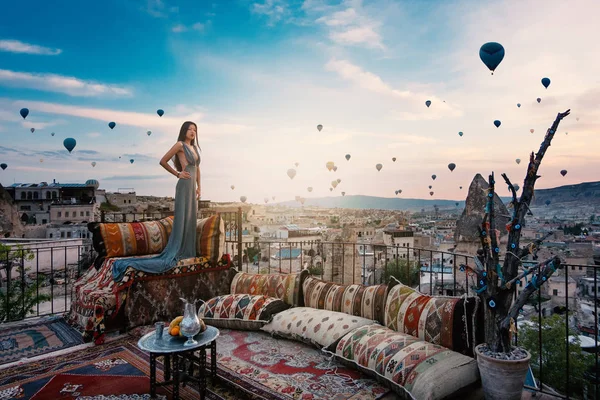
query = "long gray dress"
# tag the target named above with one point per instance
(182, 241)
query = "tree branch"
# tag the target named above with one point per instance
(533, 247)
(513, 192)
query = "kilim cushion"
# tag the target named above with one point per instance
(287, 287)
(359, 300)
(414, 369)
(240, 311)
(129, 238)
(447, 321)
(210, 237)
(321, 328)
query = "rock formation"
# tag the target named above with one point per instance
(9, 216)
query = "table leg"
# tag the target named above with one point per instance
(213, 361)
(167, 360)
(152, 375)
(175, 377)
(202, 375)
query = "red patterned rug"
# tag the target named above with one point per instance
(116, 371)
(283, 369)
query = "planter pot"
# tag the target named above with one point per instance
(502, 379)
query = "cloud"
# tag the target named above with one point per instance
(198, 26)
(133, 177)
(179, 28)
(274, 10)
(6, 150)
(94, 134)
(159, 9)
(16, 46)
(61, 84)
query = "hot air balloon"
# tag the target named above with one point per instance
(519, 105)
(302, 200)
(296, 164)
(347, 157)
(131, 160)
(93, 163)
(456, 204)
(399, 191)
(52, 134)
(331, 189)
(396, 192)
(491, 54)
(451, 166)
(160, 112)
(460, 134)
(577, 119)
(111, 125)
(297, 198)
(532, 130)
(339, 180)
(394, 159)
(334, 184)
(517, 187)
(334, 168)
(69, 144)
(243, 199)
(41, 160)
(539, 100)
(563, 172)
(431, 193)
(32, 130)
(518, 160)
(497, 123)
(430, 186)
(273, 198)
(291, 173)
(24, 112)
(566, 133)
(309, 189)
(149, 133)
(343, 193)
(266, 200)
(3, 166)
(232, 187)
(548, 202)
(329, 165)
(378, 166)
(546, 82)
(428, 103)
(319, 127)
(460, 187)
(433, 177)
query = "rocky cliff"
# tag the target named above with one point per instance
(586, 192)
(9, 216)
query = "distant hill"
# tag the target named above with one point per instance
(587, 192)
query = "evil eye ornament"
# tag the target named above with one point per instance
(492, 303)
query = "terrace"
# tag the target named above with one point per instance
(431, 272)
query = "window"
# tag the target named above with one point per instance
(581, 268)
(66, 214)
(572, 268)
(59, 214)
(29, 195)
(555, 292)
(62, 234)
(87, 213)
(50, 235)
(23, 195)
(81, 213)
(44, 221)
(26, 208)
(47, 195)
(129, 201)
(124, 201)
(68, 234)
(54, 195)
(36, 195)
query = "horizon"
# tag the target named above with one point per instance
(259, 76)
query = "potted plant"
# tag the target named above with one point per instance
(502, 366)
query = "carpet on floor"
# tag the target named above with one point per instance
(115, 371)
(30, 339)
(271, 368)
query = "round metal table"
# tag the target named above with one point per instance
(172, 349)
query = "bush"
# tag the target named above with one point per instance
(401, 270)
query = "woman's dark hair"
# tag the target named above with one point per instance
(181, 138)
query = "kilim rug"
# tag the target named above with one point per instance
(284, 369)
(29, 339)
(114, 371)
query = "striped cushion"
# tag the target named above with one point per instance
(129, 238)
(359, 300)
(240, 311)
(415, 369)
(287, 287)
(210, 237)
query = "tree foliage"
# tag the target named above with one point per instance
(403, 270)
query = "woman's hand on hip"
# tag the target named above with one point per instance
(184, 175)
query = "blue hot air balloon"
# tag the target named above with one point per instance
(160, 112)
(546, 82)
(519, 105)
(69, 144)
(111, 125)
(491, 54)
(460, 134)
(497, 123)
(539, 100)
(428, 103)
(24, 112)
(131, 161)
(548, 202)
(3, 166)
(52, 134)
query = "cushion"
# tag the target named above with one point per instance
(362, 301)
(240, 311)
(210, 237)
(436, 319)
(321, 328)
(115, 239)
(414, 369)
(287, 287)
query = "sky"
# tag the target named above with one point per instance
(259, 76)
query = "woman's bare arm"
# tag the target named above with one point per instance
(164, 162)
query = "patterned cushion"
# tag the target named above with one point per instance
(414, 368)
(287, 287)
(322, 328)
(210, 237)
(240, 311)
(129, 238)
(362, 301)
(436, 319)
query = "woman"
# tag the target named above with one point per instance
(182, 241)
